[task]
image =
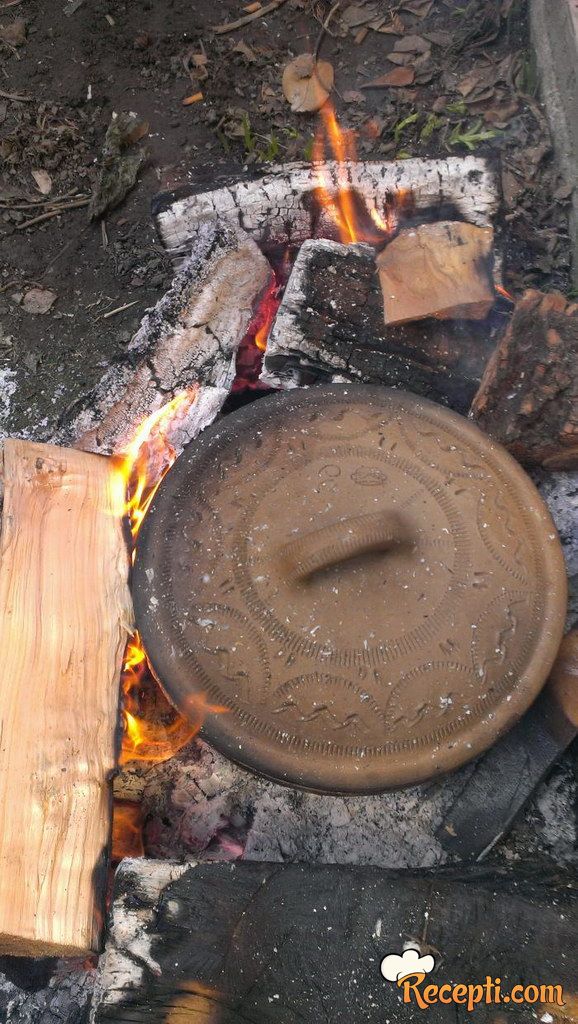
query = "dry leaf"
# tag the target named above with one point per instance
(14, 34)
(306, 84)
(43, 182)
(401, 58)
(354, 15)
(38, 300)
(395, 27)
(246, 51)
(411, 44)
(360, 35)
(419, 7)
(397, 77)
(352, 96)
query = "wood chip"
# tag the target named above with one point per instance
(43, 182)
(397, 77)
(195, 98)
(251, 8)
(245, 50)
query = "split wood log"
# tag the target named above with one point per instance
(528, 396)
(188, 341)
(280, 207)
(65, 610)
(441, 270)
(330, 326)
(301, 943)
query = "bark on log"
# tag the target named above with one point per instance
(188, 341)
(330, 326)
(441, 270)
(65, 610)
(280, 207)
(303, 944)
(528, 396)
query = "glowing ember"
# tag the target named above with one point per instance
(506, 295)
(266, 314)
(354, 217)
(126, 830)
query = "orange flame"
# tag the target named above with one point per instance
(343, 206)
(147, 459)
(136, 478)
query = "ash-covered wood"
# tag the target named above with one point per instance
(303, 944)
(442, 270)
(528, 396)
(330, 326)
(189, 340)
(65, 610)
(280, 207)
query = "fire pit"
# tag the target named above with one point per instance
(346, 588)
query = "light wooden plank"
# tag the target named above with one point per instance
(64, 612)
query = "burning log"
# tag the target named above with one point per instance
(441, 270)
(188, 341)
(283, 207)
(259, 942)
(330, 326)
(64, 613)
(528, 396)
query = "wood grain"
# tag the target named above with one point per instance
(64, 612)
(441, 270)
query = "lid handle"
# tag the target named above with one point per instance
(340, 541)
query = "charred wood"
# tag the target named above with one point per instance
(281, 208)
(188, 341)
(330, 326)
(528, 396)
(256, 942)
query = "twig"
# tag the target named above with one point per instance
(35, 204)
(324, 30)
(14, 96)
(120, 309)
(52, 213)
(232, 25)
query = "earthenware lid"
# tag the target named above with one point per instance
(370, 587)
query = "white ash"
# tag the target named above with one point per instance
(190, 339)
(128, 948)
(280, 206)
(560, 492)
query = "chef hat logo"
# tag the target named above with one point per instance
(410, 964)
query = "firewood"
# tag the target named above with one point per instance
(330, 326)
(280, 206)
(189, 340)
(278, 944)
(441, 270)
(528, 396)
(64, 613)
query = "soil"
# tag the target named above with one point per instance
(111, 56)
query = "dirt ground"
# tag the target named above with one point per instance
(474, 89)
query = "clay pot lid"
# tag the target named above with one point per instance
(371, 587)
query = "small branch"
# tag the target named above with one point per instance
(119, 309)
(232, 25)
(15, 97)
(324, 26)
(52, 213)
